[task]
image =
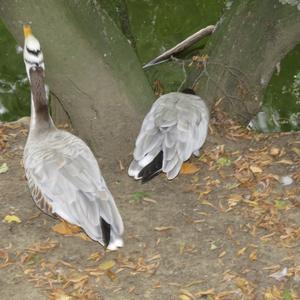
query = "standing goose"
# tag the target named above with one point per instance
(62, 172)
(174, 128)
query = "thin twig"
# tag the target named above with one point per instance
(192, 39)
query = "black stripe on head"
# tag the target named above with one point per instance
(188, 91)
(33, 52)
(34, 64)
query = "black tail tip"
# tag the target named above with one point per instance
(152, 169)
(105, 227)
(188, 91)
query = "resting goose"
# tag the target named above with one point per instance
(173, 130)
(62, 172)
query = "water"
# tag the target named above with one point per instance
(153, 27)
(14, 88)
(281, 105)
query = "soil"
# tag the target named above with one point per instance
(216, 232)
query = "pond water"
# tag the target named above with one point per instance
(14, 88)
(153, 27)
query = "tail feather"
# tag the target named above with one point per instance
(105, 227)
(152, 169)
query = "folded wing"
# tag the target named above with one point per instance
(66, 172)
(176, 126)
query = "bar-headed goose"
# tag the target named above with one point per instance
(62, 172)
(175, 127)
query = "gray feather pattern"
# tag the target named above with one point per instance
(177, 123)
(67, 173)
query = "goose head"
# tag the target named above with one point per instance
(32, 53)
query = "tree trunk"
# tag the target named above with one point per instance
(251, 38)
(90, 67)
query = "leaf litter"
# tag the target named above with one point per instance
(240, 182)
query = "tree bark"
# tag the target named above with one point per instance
(91, 69)
(250, 39)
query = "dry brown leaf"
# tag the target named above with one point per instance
(274, 151)
(205, 202)
(234, 200)
(96, 256)
(241, 251)
(253, 255)
(205, 293)
(111, 275)
(66, 228)
(189, 168)
(223, 253)
(59, 294)
(83, 236)
(273, 294)
(107, 265)
(244, 285)
(188, 295)
(255, 169)
(163, 228)
(285, 162)
(184, 297)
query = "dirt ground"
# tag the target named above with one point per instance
(225, 229)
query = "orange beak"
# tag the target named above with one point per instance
(27, 30)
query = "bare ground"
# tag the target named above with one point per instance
(218, 233)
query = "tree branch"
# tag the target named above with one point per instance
(192, 39)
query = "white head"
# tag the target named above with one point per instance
(32, 53)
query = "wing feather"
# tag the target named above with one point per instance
(68, 174)
(176, 124)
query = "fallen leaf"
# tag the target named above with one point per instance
(205, 293)
(280, 204)
(205, 202)
(184, 297)
(223, 162)
(107, 265)
(96, 256)
(163, 228)
(111, 275)
(223, 253)
(253, 255)
(83, 236)
(274, 151)
(280, 274)
(234, 199)
(3, 168)
(66, 228)
(59, 294)
(255, 169)
(147, 199)
(285, 162)
(241, 251)
(273, 294)
(188, 295)
(189, 168)
(213, 246)
(11, 218)
(296, 150)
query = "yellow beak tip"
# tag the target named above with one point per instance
(27, 30)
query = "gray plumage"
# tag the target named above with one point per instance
(65, 180)
(177, 125)
(63, 175)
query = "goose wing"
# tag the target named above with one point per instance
(176, 125)
(67, 173)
